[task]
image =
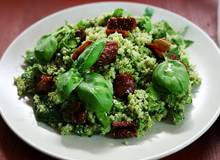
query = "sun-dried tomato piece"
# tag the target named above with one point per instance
(124, 129)
(81, 34)
(76, 113)
(173, 57)
(111, 31)
(44, 84)
(109, 53)
(80, 116)
(122, 124)
(123, 133)
(80, 49)
(159, 47)
(121, 23)
(123, 85)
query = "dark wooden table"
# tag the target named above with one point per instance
(16, 15)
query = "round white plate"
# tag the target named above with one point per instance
(164, 139)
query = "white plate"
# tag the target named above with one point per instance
(163, 140)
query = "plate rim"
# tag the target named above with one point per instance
(158, 156)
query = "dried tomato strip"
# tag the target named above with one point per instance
(80, 49)
(44, 84)
(121, 23)
(111, 31)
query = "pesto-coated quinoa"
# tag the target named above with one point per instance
(113, 75)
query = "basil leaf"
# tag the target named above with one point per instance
(148, 12)
(178, 40)
(67, 82)
(174, 51)
(145, 24)
(84, 23)
(171, 76)
(104, 119)
(29, 57)
(90, 55)
(162, 29)
(97, 94)
(45, 49)
(188, 43)
(118, 12)
(69, 41)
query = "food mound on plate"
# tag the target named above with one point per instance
(113, 75)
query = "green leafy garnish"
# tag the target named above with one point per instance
(145, 24)
(161, 29)
(174, 51)
(46, 48)
(90, 55)
(118, 12)
(188, 43)
(67, 82)
(97, 94)
(171, 76)
(83, 24)
(29, 57)
(148, 12)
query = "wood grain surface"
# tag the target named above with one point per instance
(16, 15)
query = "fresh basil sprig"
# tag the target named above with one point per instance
(69, 80)
(97, 94)
(46, 48)
(93, 90)
(90, 55)
(171, 76)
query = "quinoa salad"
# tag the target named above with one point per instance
(115, 75)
